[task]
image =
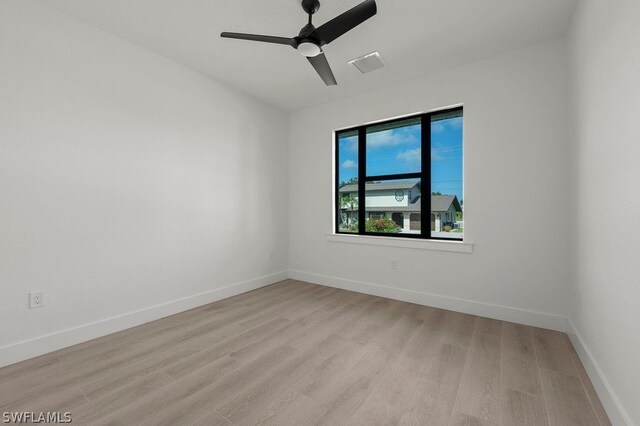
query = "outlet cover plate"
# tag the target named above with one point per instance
(36, 299)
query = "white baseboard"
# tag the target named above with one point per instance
(504, 313)
(30, 348)
(610, 401)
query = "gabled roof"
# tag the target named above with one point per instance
(441, 203)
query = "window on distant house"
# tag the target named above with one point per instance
(393, 177)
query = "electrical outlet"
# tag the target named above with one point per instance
(394, 265)
(36, 299)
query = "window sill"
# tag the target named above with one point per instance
(442, 245)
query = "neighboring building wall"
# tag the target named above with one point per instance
(451, 215)
(386, 199)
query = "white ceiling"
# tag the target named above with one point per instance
(415, 37)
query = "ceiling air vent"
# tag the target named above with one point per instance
(367, 63)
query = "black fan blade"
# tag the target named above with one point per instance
(263, 38)
(323, 69)
(339, 25)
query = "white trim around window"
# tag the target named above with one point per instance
(412, 243)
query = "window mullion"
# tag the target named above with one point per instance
(336, 184)
(425, 203)
(395, 176)
(362, 176)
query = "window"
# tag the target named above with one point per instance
(393, 176)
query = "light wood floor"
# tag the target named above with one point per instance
(294, 353)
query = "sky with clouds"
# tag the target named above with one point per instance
(398, 151)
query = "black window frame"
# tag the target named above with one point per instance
(424, 175)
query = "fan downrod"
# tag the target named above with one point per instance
(310, 6)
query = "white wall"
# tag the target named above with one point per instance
(605, 94)
(516, 153)
(126, 181)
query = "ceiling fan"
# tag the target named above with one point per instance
(310, 40)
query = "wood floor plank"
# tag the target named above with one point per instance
(519, 362)
(365, 365)
(212, 418)
(479, 391)
(289, 334)
(388, 399)
(567, 401)
(161, 399)
(459, 329)
(357, 298)
(277, 310)
(372, 320)
(33, 366)
(522, 409)
(365, 319)
(277, 389)
(396, 338)
(363, 333)
(324, 296)
(342, 396)
(330, 371)
(291, 409)
(130, 371)
(191, 408)
(350, 394)
(552, 352)
(217, 350)
(426, 342)
(343, 315)
(461, 419)
(489, 326)
(391, 315)
(424, 313)
(517, 342)
(121, 397)
(520, 375)
(64, 400)
(437, 388)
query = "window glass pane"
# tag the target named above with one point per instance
(348, 209)
(447, 199)
(347, 176)
(394, 148)
(393, 206)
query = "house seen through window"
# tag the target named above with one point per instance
(402, 177)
